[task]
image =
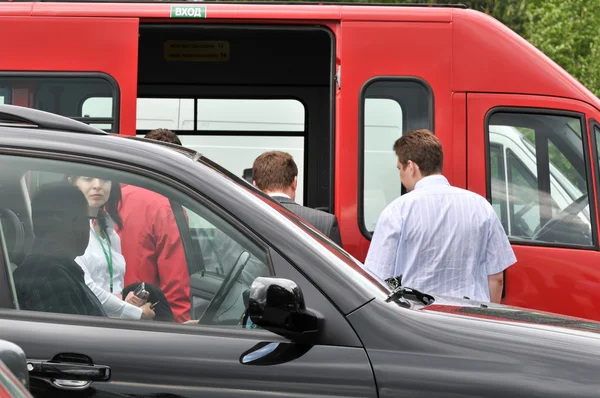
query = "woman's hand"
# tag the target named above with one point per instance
(134, 300)
(147, 312)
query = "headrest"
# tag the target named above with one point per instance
(247, 175)
(14, 235)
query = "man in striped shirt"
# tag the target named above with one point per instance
(442, 239)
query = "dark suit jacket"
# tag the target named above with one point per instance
(323, 221)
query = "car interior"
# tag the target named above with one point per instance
(219, 285)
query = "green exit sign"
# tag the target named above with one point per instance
(188, 12)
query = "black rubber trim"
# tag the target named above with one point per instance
(596, 160)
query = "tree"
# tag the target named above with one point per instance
(568, 32)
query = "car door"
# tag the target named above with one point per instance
(209, 355)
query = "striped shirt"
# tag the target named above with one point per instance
(442, 240)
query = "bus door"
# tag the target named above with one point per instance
(56, 63)
(393, 77)
(535, 160)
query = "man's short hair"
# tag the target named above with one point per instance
(164, 135)
(55, 205)
(274, 170)
(423, 148)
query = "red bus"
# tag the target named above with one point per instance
(335, 85)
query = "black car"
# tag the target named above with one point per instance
(275, 308)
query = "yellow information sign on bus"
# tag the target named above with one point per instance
(197, 50)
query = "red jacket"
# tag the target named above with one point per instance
(152, 247)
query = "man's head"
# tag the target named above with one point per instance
(60, 215)
(419, 155)
(275, 171)
(163, 135)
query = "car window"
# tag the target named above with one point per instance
(524, 203)
(196, 264)
(544, 190)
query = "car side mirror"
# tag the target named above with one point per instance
(277, 305)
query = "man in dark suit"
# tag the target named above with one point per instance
(276, 174)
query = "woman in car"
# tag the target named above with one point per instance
(102, 262)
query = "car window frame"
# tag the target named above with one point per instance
(500, 151)
(594, 142)
(9, 312)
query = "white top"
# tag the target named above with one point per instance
(97, 278)
(442, 239)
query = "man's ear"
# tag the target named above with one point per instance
(254, 183)
(415, 170)
(295, 183)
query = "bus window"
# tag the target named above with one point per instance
(97, 107)
(231, 132)
(279, 115)
(546, 180)
(64, 95)
(390, 108)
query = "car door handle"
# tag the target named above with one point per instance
(70, 371)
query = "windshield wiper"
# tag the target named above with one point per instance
(399, 291)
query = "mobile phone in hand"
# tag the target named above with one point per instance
(141, 292)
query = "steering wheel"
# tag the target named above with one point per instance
(227, 284)
(568, 214)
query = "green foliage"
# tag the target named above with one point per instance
(568, 32)
(512, 13)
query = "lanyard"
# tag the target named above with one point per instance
(108, 257)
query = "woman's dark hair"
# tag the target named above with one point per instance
(111, 205)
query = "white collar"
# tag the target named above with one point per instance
(279, 194)
(435, 179)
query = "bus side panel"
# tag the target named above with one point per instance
(396, 51)
(58, 44)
